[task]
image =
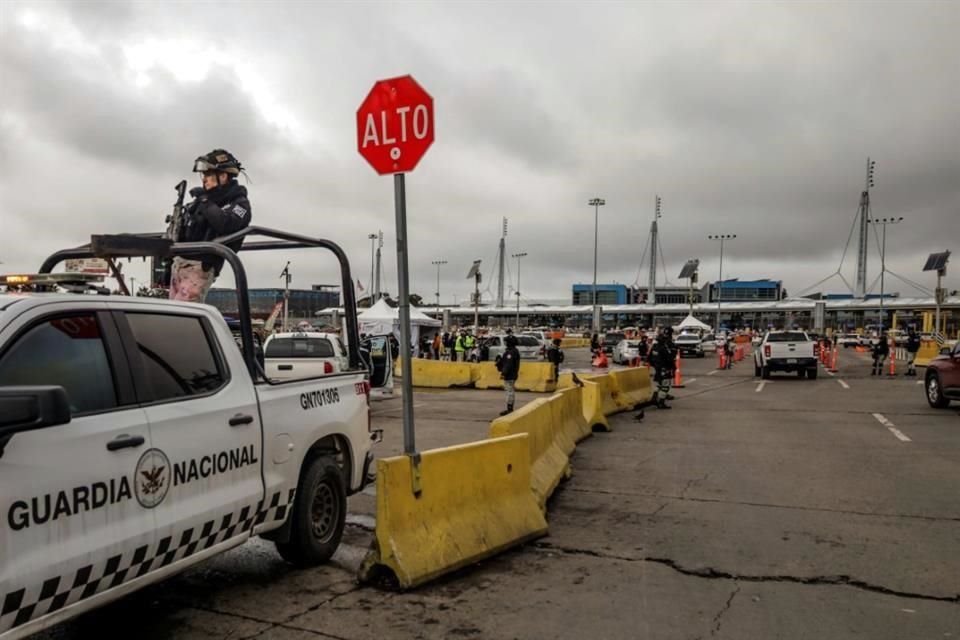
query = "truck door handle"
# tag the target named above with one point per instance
(240, 419)
(285, 367)
(124, 441)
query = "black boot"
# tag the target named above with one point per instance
(509, 409)
(662, 404)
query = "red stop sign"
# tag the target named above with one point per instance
(395, 125)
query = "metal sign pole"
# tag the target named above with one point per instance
(406, 369)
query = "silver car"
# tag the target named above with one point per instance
(528, 346)
(625, 351)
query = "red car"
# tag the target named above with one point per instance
(943, 378)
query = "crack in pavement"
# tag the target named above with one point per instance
(766, 505)
(690, 483)
(286, 623)
(726, 607)
(714, 574)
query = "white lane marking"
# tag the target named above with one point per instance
(761, 385)
(713, 372)
(900, 435)
(691, 380)
(843, 384)
(919, 381)
(829, 373)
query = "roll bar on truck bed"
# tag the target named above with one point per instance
(155, 245)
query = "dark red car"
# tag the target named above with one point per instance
(943, 377)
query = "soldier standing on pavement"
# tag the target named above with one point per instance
(509, 366)
(913, 346)
(555, 357)
(663, 359)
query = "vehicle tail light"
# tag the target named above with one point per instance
(766, 351)
(327, 367)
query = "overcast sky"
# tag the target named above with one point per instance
(753, 119)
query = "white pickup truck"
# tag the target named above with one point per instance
(786, 351)
(137, 439)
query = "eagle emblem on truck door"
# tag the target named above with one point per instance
(152, 478)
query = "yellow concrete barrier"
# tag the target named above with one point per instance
(633, 385)
(570, 343)
(929, 349)
(591, 399)
(568, 415)
(475, 502)
(534, 376)
(549, 446)
(608, 391)
(439, 373)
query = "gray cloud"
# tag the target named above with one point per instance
(748, 119)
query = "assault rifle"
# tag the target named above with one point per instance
(175, 219)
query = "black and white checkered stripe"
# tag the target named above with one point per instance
(17, 608)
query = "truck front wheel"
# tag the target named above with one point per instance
(320, 511)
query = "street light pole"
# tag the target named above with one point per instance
(438, 264)
(883, 222)
(596, 203)
(373, 249)
(722, 238)
(518, 256)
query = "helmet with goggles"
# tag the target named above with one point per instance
(218, 160)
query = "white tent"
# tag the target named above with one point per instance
(690, 322)
(381, 319)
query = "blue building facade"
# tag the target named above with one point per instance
(606, 294)
(304, 303)
(736, 290)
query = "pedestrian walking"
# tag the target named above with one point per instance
(555, 357)
(880, 352)
(913, 346)
(459, 346)
(509, 367)
(435, 345)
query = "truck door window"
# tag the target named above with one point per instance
(178, 359)
(67, 351)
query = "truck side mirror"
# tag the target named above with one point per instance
(28, 408)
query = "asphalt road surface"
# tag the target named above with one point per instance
(818, 509)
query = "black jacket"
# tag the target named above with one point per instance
(554, 354)
(214, 214)
(913, 343)
(881, 348)
(510, 364)
(663, 355)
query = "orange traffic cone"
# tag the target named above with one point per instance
(677, 377)
(721, 358)
(893, 359)
(833, 362)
